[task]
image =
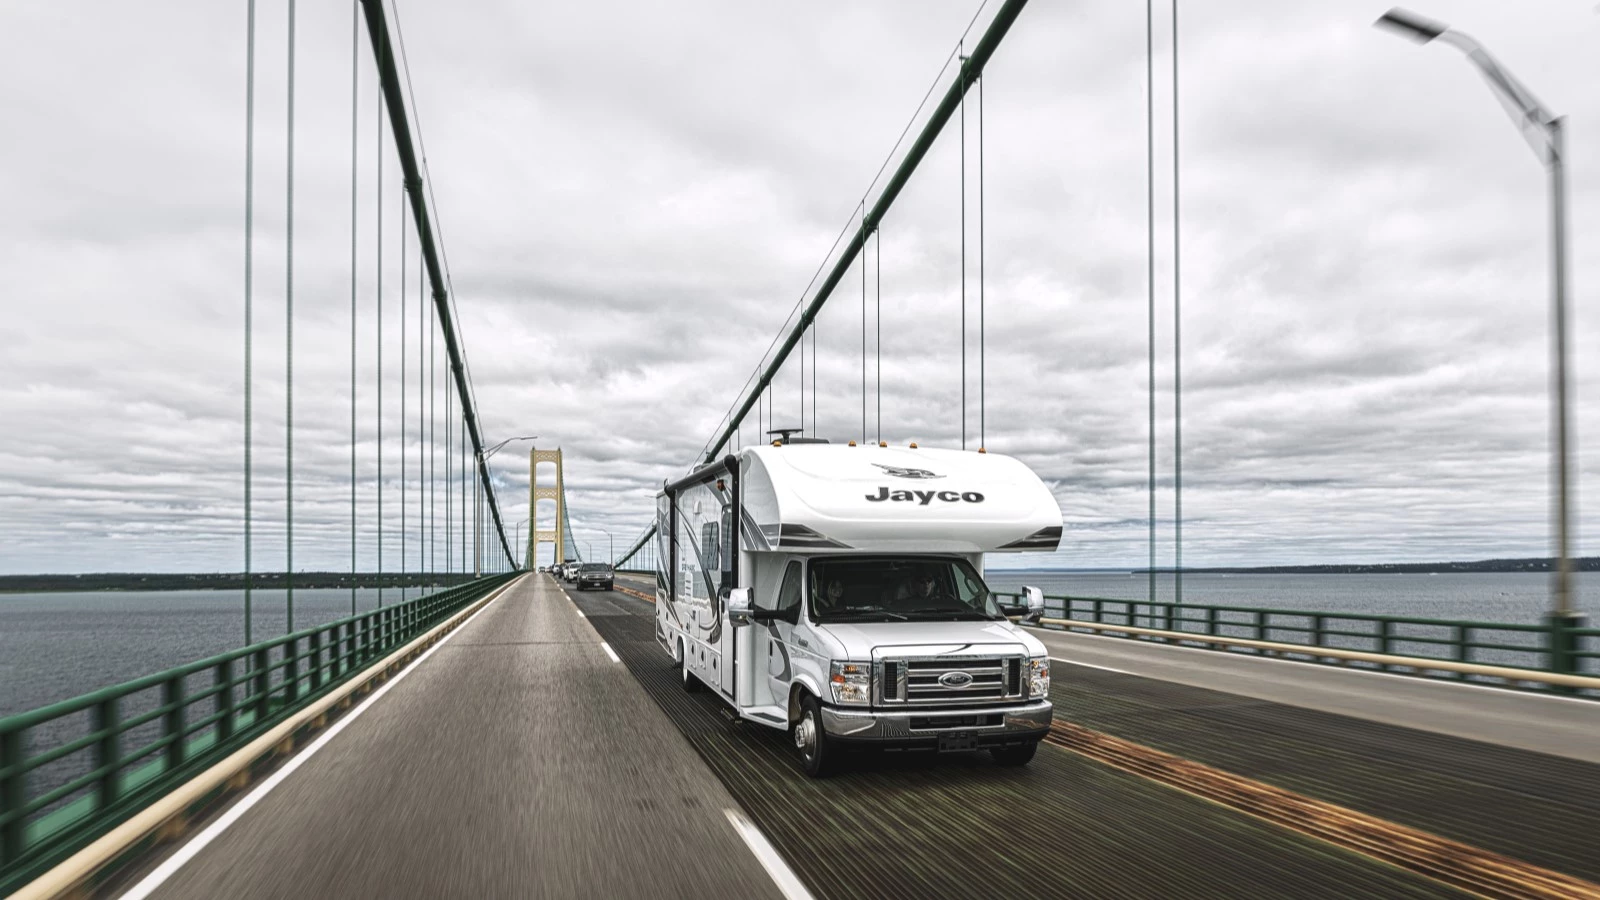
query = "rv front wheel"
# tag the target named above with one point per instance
(690, 682)
(816, 751)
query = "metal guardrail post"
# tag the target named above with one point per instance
(315, 648)
(223, 677)
(1561, 644)
(172, 721)
(108, 753)
(13, 793)
(1214, 622)
(263, 685)
(291, 670)
(1319, 630)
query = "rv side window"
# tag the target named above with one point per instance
(709, 547)
(789, 593)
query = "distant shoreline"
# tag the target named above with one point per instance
(214, 581)
(219, 581)
(1531, 564)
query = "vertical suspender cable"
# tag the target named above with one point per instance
(249, 280)
(422, 381)
(288, 351)
(355, 83)
(1177, 343)
(963, 63)
(378, 192)
(863, 326)
(404, 347)
(877, 343)
(433, 438)
(802, 386)
(983, 425)
(1150, 274)
(449, 487)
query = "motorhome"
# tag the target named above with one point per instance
(836, 592)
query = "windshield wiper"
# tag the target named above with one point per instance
(962, 613)
(853, 611)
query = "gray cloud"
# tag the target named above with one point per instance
(633, 198)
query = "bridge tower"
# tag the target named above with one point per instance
(537, 535)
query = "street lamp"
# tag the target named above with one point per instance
(613, 548)
(1543, 131)
(519, 542)
(477, 513)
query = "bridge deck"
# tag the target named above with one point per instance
(518, 760)
(521, 761)
(909, 825)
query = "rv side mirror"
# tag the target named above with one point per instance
(739, 607)
(1035, 599)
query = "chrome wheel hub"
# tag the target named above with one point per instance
(805, 735)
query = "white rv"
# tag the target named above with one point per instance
(837, 592)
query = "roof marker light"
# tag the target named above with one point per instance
(981, 450)
(913, 445)
(883, 443)
(852, 443)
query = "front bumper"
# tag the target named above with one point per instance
(989, 726)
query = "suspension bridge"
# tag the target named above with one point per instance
(445, 720)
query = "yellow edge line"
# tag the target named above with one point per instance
(1453, 863)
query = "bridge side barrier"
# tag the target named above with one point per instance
(1405, 644)
(72, 771)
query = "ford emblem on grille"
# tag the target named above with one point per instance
(955, 679)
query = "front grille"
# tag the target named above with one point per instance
(935, 723)
(950, 681)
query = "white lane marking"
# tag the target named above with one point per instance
(610, 652)
(788, 883)
(579, 612)
(199, 842)
(1073, 662)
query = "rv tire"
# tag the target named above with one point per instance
(690, 682)
(817, 751)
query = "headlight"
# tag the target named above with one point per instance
(852, 683)
(1039, 676)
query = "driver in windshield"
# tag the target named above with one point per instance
(924, 590)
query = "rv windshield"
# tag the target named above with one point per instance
(898, 589)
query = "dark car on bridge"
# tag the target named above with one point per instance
(594, 575)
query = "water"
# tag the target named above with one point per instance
(56, 646)
(1517, 598)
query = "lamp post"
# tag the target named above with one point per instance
(477, 531)
(1543, 131)
(519, 541)
(612, 551)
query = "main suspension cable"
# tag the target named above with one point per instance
(249, 282)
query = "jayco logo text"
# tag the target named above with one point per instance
(923, 498)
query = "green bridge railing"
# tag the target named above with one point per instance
(1549, 647)
(71, 771)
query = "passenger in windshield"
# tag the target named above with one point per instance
(833, 599)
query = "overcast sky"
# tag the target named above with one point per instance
(634, 196)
